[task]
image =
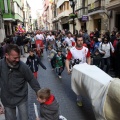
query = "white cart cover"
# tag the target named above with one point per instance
(92, 82)
(112, 102)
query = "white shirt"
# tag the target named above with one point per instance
(79, 54)
(58, 44)
(106, 48)
(69, 41)
(39, 37)
(50, 38)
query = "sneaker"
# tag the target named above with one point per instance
(59, 76)
(79, 103)
(62, 117)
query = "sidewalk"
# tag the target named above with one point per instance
(2, 117)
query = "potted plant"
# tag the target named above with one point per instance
(73, 15)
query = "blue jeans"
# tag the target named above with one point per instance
(105, 61)
(22, 50)
(10, 113)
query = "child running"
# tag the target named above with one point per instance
(58, 62)
(33, 62)
(52, 52)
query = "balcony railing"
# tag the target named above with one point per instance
(82, 11)
(97, 5)
(112, 4)
(63, 14)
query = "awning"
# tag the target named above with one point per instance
(8, 19)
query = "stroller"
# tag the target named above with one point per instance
(39, 47)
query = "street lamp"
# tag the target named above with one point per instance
(72, 4)
(1, 18)
(30, 17)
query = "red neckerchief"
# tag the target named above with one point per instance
(50, 100)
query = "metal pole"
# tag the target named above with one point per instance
(73, 18)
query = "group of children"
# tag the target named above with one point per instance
(49, 107)
(56, 58)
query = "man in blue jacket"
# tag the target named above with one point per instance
(14, 76)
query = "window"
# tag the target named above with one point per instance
(67, 5)
(6, 6)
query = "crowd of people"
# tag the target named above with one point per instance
(64, 49)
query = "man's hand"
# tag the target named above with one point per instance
(69, 72)
(37, 118)
(45, 68)
(1, 110)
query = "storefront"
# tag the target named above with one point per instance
(113, 8)
(63, 23)
(117, 21)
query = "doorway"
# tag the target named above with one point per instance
(65, 26)
(97, 24)
(117, 25)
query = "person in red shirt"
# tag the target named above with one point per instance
(78, 53)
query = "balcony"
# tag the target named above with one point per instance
(63, 14)
(82, 11)
(113, 5)
(97, 7)
(60, 2)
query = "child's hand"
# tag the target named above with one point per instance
(37, 118)
(1, 110)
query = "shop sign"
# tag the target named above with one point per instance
(84, 18)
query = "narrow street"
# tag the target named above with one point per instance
(61, 88)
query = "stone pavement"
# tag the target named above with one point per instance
(61, 88)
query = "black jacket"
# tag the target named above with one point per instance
(1, 52)
(33, 62)
(14, 87)
(19, 41)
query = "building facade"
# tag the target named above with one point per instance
(12, 15)
(2, 30)
(54, 15)
(81, 9)
(113, 8)
(63, 11)
(47, 15)
(97, 16)
(27, 19)
(39, 19)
